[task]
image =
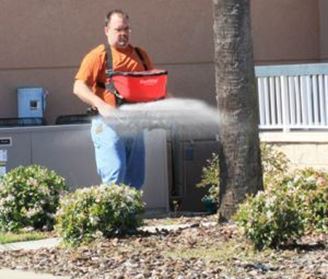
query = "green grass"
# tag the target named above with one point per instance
(222, 252)
(9, 237)
(231, 255)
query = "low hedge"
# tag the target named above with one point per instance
(104, 210)
(29, 197)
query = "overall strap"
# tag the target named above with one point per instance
(109, 59)
(109, 72)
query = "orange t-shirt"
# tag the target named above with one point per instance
(93, 67)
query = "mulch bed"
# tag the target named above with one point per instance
(201, 251)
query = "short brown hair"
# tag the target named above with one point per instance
(112, 12)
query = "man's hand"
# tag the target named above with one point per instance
(106, 110)
(82, 90)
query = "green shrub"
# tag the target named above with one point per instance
(275, 164)
(284, 212)
(311, 194)
(29, 197)
(104, 210)
(293, 202)
(210, 178)
(271, 218)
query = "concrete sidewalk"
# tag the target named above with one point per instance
(20, 274)
(31, 245)
(28, 245)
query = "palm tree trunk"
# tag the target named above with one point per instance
(240, 164)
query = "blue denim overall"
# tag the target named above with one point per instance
(120, 157)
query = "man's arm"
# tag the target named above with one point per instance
(82, 90)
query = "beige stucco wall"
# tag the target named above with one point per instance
(43, 41)
(323, 8)
(303, 149)
(285, 31)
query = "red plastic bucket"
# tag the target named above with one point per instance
(141, 86)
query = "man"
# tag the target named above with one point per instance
(119, 159)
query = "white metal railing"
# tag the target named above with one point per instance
(293, 96)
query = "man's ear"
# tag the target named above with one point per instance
(106, 30)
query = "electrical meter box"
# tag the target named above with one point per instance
(31, 102)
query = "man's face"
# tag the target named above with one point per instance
(118, 31)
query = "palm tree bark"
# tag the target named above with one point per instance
(240, 164)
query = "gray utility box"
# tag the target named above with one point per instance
(68, 150)
(188, 160)
(188, 156)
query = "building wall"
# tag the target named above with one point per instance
(44, 42)
(323, 8)
(286, 31)
(301, 148)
